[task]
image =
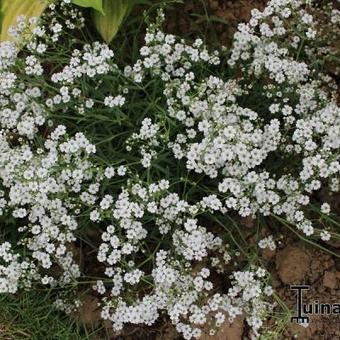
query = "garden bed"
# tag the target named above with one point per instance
(177, 181)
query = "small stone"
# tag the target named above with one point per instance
(330, 280)
(292, 264)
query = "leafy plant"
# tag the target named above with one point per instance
(115, 12)
(95, 4)
(107, 15)
(11, 9)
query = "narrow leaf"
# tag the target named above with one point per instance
(11, 9)
(115, 12)
(95, 4)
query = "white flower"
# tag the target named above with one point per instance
(325, 208)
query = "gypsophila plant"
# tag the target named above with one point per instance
(145, 169)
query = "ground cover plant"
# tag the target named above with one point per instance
(141, 179)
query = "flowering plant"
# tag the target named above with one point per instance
(148, 169)
(107, 14)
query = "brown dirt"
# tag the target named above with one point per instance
(295, 263)
(228, 331)
(217, 19)
(292, 264)
(89, 313)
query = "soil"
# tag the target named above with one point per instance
(295, 263)
(216, 20)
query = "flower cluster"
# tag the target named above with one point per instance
(42, 172)
(260, 139)
(147, 141)
(36, 182)
(176, 288)
(226, 136)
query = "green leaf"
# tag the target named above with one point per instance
(1, 17)
(95, 4)
(115, 12)
(11, 9)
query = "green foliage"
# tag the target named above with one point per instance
(1, 16)
(115, 12)
(11, 9)
(31, 316)
(95, 4)
(108, 15)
